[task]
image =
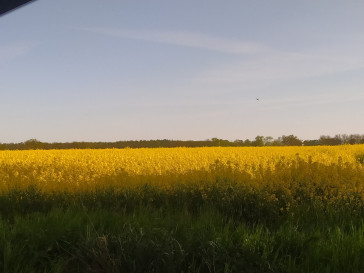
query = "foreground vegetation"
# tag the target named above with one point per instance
(183, 210)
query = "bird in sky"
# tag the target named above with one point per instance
(257, 99)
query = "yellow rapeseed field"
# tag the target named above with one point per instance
(321, 172)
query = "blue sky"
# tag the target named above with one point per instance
(92, 70)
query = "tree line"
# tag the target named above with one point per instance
(290, 140)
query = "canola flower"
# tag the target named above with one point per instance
(278, 173)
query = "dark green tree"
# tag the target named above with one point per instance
(259, 141)
(291, 140)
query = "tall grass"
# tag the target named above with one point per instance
(158, 233)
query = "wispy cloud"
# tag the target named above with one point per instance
(11, 51)
(308, 102)
(279, 66)
(265, 67)
(185, 39)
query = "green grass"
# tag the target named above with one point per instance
(151, 231)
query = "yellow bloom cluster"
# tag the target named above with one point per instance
(321, 172)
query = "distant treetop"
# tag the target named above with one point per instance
(290, 140)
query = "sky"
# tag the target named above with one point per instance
(93, 70)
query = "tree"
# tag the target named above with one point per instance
(259, 141)
(276, 142)
(291, 140)
(33, 144)
(354, 139)
(238, 142)
(313, 142)
(247, 142)
(268, 141)
(331, 141)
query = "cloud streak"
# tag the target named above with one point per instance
(184, 39)
(12, 51)
(266, 65)
(278, 67)
(264, 68)
(308, 102)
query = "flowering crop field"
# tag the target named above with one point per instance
(313, 172)
(246, 209)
